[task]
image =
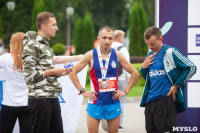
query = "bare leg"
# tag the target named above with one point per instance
(113, 125)
(93, 124)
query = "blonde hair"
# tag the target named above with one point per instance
(16, 50)
(118, 34)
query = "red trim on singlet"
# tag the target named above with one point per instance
(94, 82)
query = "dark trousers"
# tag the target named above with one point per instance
(160, 115)
(45, 115)
(9, 115)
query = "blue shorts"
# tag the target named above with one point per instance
(106, 112)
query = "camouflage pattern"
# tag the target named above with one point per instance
(38, 57)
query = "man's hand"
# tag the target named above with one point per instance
(148, 61)
(118, 94)
(90, 95)
(173, 92)
(62, 71)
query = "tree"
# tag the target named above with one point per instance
(84, 34)
(1, 27)
(21, 18)
(149, 6)
(89, 33)
(58, 49)
(78, 36)
(137, 25)
(38, 7)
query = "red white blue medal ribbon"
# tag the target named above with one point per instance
(103, 69)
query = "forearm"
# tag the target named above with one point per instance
(50, 72)
(63, 59)
(75, 80)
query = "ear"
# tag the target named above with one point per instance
(98, 38)
(161, 38)
(43, 27)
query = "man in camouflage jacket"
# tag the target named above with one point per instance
(41, 76)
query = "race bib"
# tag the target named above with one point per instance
(107, 85)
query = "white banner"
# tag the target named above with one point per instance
(69, 100)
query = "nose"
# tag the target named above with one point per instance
(107, 40)
(57, 28)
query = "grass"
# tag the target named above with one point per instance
(136, 91)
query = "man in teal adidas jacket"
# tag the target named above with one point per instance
(165, 69)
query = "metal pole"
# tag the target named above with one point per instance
(10, 26)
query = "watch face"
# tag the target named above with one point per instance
(82, 90)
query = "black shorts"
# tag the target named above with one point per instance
(160, 115)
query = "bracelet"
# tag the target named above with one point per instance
(125, 92)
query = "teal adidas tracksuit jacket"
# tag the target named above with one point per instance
(178, 69)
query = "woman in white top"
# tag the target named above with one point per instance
(15, 99)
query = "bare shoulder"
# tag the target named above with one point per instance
(119, 55)
(88, 55)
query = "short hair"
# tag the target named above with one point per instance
(118, 34)
(42, 18)
(107, 28)
(152, 31)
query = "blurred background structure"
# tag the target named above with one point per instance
(84, 18)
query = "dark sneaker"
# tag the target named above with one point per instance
(121, 128)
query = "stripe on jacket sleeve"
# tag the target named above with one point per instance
(187, 62)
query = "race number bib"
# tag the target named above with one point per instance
(107, 85)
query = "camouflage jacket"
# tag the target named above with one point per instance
(38, 57)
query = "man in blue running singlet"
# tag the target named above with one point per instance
(103, 99)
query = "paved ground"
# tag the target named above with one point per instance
(133, 120)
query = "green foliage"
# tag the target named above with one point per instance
(38, 7)
(58, 49)
(137, 25)
(104, 12)
(21, 18)
(84, 34)
(89, 33)
(77, 38)
(149, 6)
(141, 81)
(1, 27)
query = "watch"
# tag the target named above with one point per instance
(82, 90)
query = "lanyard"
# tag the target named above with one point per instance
(103, 69)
